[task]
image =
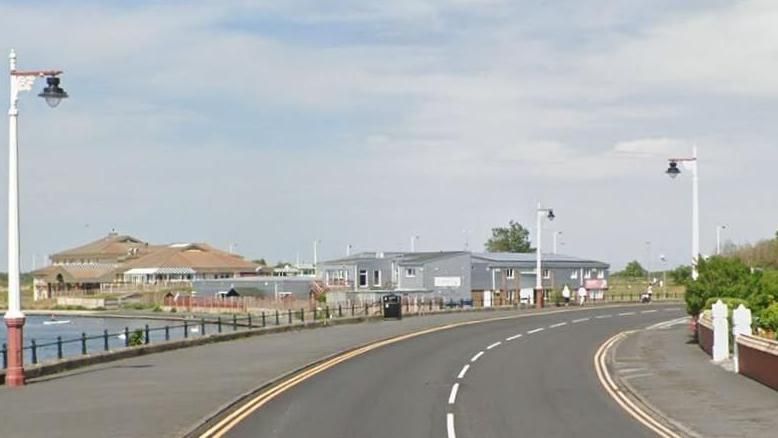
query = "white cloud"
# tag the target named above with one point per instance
(468, 111)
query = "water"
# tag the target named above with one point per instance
(42, 333)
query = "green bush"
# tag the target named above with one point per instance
(731, 303)
(135, 306)
(720, 277)
(768, 318)
(156, 309)
(137, 337)
(556, 297)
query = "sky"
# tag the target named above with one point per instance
(267, 125)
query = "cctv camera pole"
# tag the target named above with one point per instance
(556, 238)
(14, 318)
(695, 214)
(718, 238)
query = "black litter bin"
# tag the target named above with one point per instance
(393, 306)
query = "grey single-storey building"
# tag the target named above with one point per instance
(486, 278)
(511, 276)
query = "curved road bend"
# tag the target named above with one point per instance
(539, 384)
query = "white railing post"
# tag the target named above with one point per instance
(720, 332)
(741, 325)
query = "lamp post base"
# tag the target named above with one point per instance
(539, 298)
(14, 373)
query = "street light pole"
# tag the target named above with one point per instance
(673, 171)
(549, 213)
(718, 238)
(413, 243)
(14, 318)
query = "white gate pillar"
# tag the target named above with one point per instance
(741, 322)
(720, 332)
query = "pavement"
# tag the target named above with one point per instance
(167, 394)
(669, 374)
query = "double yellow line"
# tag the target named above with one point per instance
(230, 421)
(615, 392)
(235, 417)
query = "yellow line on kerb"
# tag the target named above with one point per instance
(613, 390)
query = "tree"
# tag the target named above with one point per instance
(633, 270)
(513, 238)
(261, 262)
(681, 275)
(721, 277)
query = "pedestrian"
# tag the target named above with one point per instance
(581, 295)
(566, 295)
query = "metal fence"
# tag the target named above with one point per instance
(198, 327)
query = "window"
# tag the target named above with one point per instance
(601, 274)
(410, 272)
(574, 275)
(362, 278)
(546, 274)
(509, 274)
(376, 278)
(588, 274)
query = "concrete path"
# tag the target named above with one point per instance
(167, 394)
(675, 377)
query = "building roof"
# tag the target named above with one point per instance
(363, 257)
(197, 256)
(112, 245)
(529, 259)
(80, 273)
(418, 258)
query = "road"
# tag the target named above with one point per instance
(528, 377)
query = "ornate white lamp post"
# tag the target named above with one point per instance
(673, 171)
(14, 318)
(549, 214)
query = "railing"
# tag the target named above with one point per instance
(112, 341)
(129, 337)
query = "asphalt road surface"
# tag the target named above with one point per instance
(525, 377)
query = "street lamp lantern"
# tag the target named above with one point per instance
(673, 171)
(53, 93)
(550, 215)
(14, 317)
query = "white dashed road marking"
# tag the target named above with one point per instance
(450, 426)
(575, 321)
(648, 311)
(535, 331)
(603, 316)
(496, 344)
(463, 372)
(560, 324)
(452, 398)
(626, 313)
(513, 337)
(477, 356)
